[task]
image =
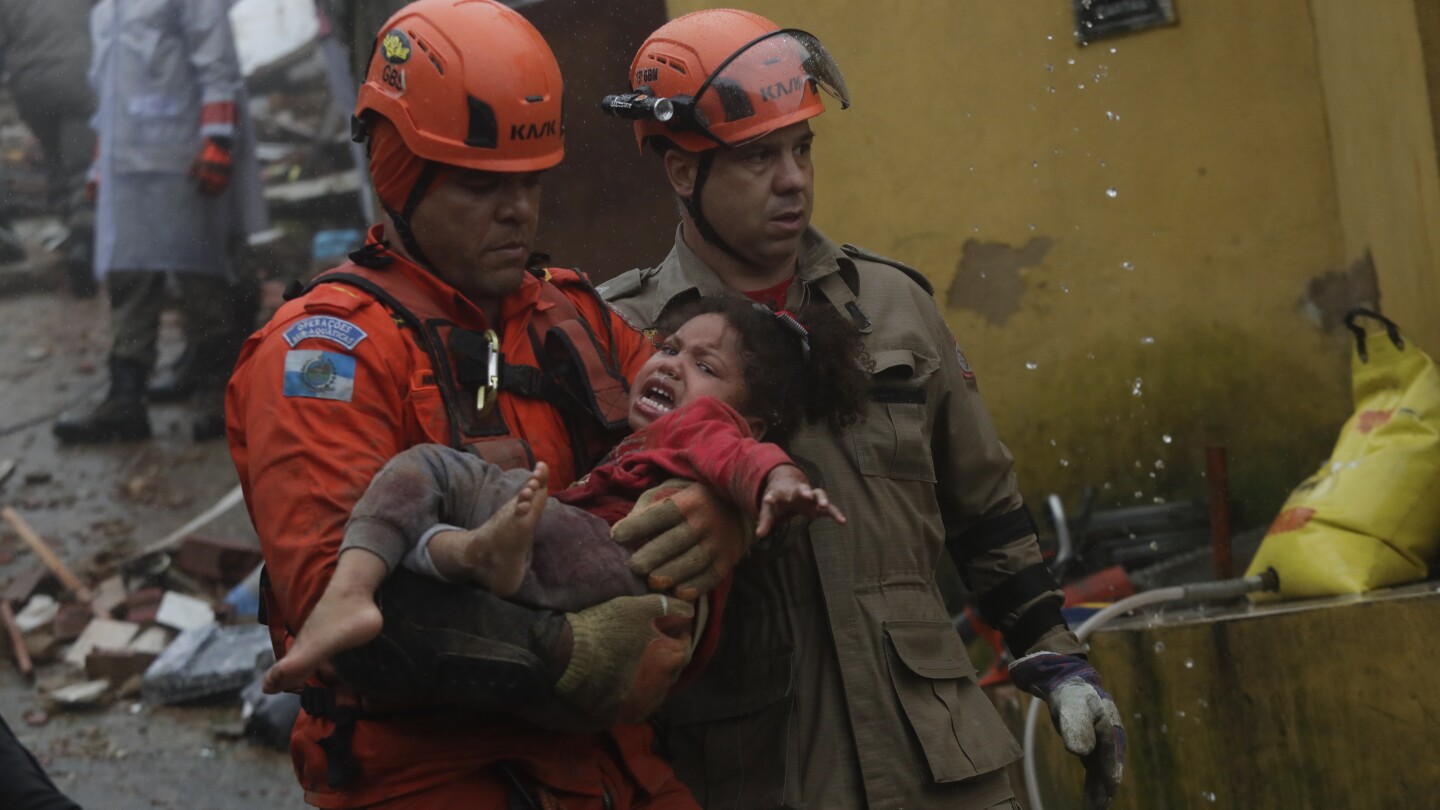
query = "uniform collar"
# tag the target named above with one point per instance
(683, 273)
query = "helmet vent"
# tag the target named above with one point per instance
(678, 65)
(484, 132)
(534, 99)
(429, 53)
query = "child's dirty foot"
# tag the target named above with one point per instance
(497, 554)
(342, 619)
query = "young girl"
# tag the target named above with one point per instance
(734, 371)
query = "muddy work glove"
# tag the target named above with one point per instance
(212, 167)
(685, 539)
(1083, 713)
(625, 656)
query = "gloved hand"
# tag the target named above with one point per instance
(683, 538)
(212, 167)
(1083, 713)
(625, 655)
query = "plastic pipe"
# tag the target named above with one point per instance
(1198, 592)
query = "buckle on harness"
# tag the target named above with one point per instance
(492, 369)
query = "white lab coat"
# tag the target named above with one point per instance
(155, 64)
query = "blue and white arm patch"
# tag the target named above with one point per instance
(321, 375)
(325, 327)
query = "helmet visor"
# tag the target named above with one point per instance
(770, 83)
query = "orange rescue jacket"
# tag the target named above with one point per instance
(328, 391)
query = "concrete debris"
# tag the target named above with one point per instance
(37, 613)
(208, 661)
(107, 596)
(184, 612)
(79, 695)
(103, 633)
(152, 640)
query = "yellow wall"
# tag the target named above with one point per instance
(1173, 308)
(1383, 123)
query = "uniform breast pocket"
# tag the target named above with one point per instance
(893, 441)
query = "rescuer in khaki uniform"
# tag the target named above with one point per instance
(839, 680)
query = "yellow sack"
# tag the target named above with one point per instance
(1370, 517)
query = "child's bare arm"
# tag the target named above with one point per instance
(788, 493)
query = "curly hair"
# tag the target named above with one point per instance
(781, 386)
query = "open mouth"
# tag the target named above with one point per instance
(658, 397)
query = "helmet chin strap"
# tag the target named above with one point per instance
(692, 207)
(401, 219)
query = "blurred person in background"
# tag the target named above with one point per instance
(45, 49)
(177, 188)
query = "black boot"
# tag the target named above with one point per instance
(121, 417)
(178, 380)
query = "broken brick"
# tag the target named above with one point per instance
(142, 605)
(71, 621)
(116, 666)
(215, 559)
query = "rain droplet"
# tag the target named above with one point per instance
(1180, 714)
(1157, 499)
(1032, 365)
(1049, 38)
(1050, 89)
(1111, 192)
(1167, 438)
(1164, 728)
(1065, 288)
(1064, 462)
(1189, 663)
(1135, 389)
(1112, 50)
(1147, 341)
(1204, 704)
(1070, 61)
(1154, 544)
(1080, 86)
(1207, 795)
(1112, 116)
(1032, 226)
(1159, 464)
(1034, 164)
(1089, 355)
(1127, 266)
(1049, 68)
(1052, 443)
(1139, 494)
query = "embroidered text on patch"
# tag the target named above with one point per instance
(319, 375)
(324, 327)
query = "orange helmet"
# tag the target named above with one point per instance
(724, 77)
(467, 83)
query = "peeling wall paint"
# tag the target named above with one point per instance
(987, 279)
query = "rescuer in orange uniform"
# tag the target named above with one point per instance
(442, 329)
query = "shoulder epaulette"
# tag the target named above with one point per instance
(624, 285)
(915, 275)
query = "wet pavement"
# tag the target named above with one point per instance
(96, 505)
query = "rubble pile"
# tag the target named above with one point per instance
(168, 626)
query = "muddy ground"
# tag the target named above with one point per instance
(104, 502)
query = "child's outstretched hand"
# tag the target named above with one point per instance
(788, 493)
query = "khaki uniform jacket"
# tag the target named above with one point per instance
(839, 680)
